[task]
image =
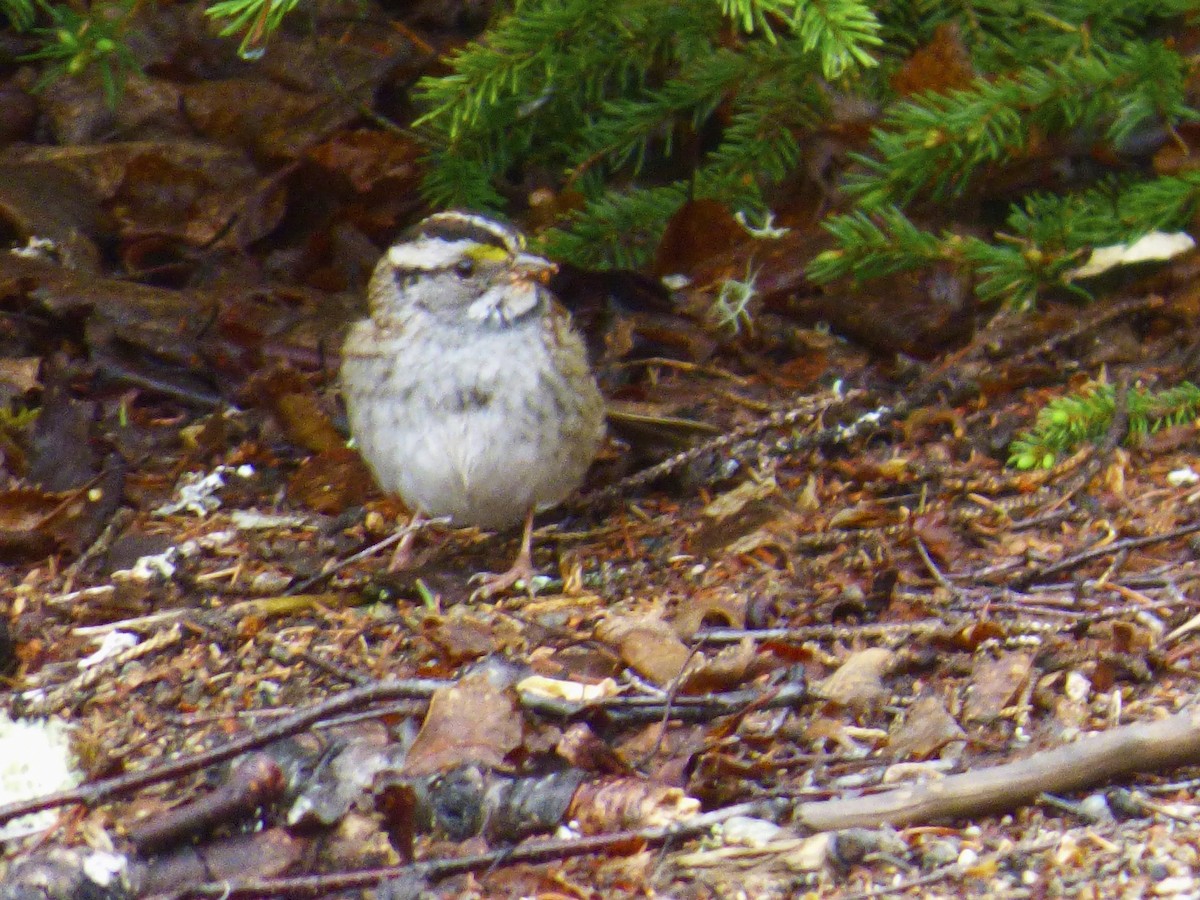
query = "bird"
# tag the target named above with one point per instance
(468, 389)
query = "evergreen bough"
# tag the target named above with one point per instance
(638, 105)
(619, 101)
(635, 106)
(1066, 422)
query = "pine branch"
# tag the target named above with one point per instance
(618, 229)
(1045, 240)
(936, 146)
(1066, 422)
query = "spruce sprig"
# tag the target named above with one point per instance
(1044, 239)
(936, 146)
(20, 13)
(621, 229)
(77, 41)
(1066, 422)
(639, 104)
(615, 95)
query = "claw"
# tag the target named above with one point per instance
(492, 583)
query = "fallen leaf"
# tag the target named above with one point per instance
(925, 728)
(649, 646)
(858, 682)
(994, 683)
(476, 720)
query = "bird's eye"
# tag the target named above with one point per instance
(465, 267)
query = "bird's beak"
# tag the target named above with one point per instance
(529, 267)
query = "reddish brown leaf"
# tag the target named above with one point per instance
(371, 159)
(941, 65)
(472, 721)
(697, 232)
(647, 645)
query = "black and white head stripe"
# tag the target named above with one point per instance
(455, 226)
(442, 239)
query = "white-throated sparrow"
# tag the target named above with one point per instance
(468, 389)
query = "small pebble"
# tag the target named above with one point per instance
(939, 853)
(1094, 808)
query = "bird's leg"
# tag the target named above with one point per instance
(402, 555)
(522, 569)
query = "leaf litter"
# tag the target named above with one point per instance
(802, 631)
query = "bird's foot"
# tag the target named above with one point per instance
(492, 583)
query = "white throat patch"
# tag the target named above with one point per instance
(503, 304)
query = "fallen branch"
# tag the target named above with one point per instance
(531, 852)
(1144, 747)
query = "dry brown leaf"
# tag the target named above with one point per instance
(649, 646)
(734, 501)
(34, 523)
(926, 728)
(858, 682)
(867, 515)
(729, 669)
(331, 482)
(270, 119)
(995, 681)
(474, 721)
(460, 636)
(623, 803)
(725, 610)
(49, 202)
(290, 398)
(371, 159)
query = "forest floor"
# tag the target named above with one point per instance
(804, 632)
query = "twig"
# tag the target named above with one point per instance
(703, 708)
(808, 409)
(335, 566)
(1109, 313)
(1107, 549)
(97, 791)
(532, 852)
(1145, 746)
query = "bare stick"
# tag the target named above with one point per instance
(1143, 747)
